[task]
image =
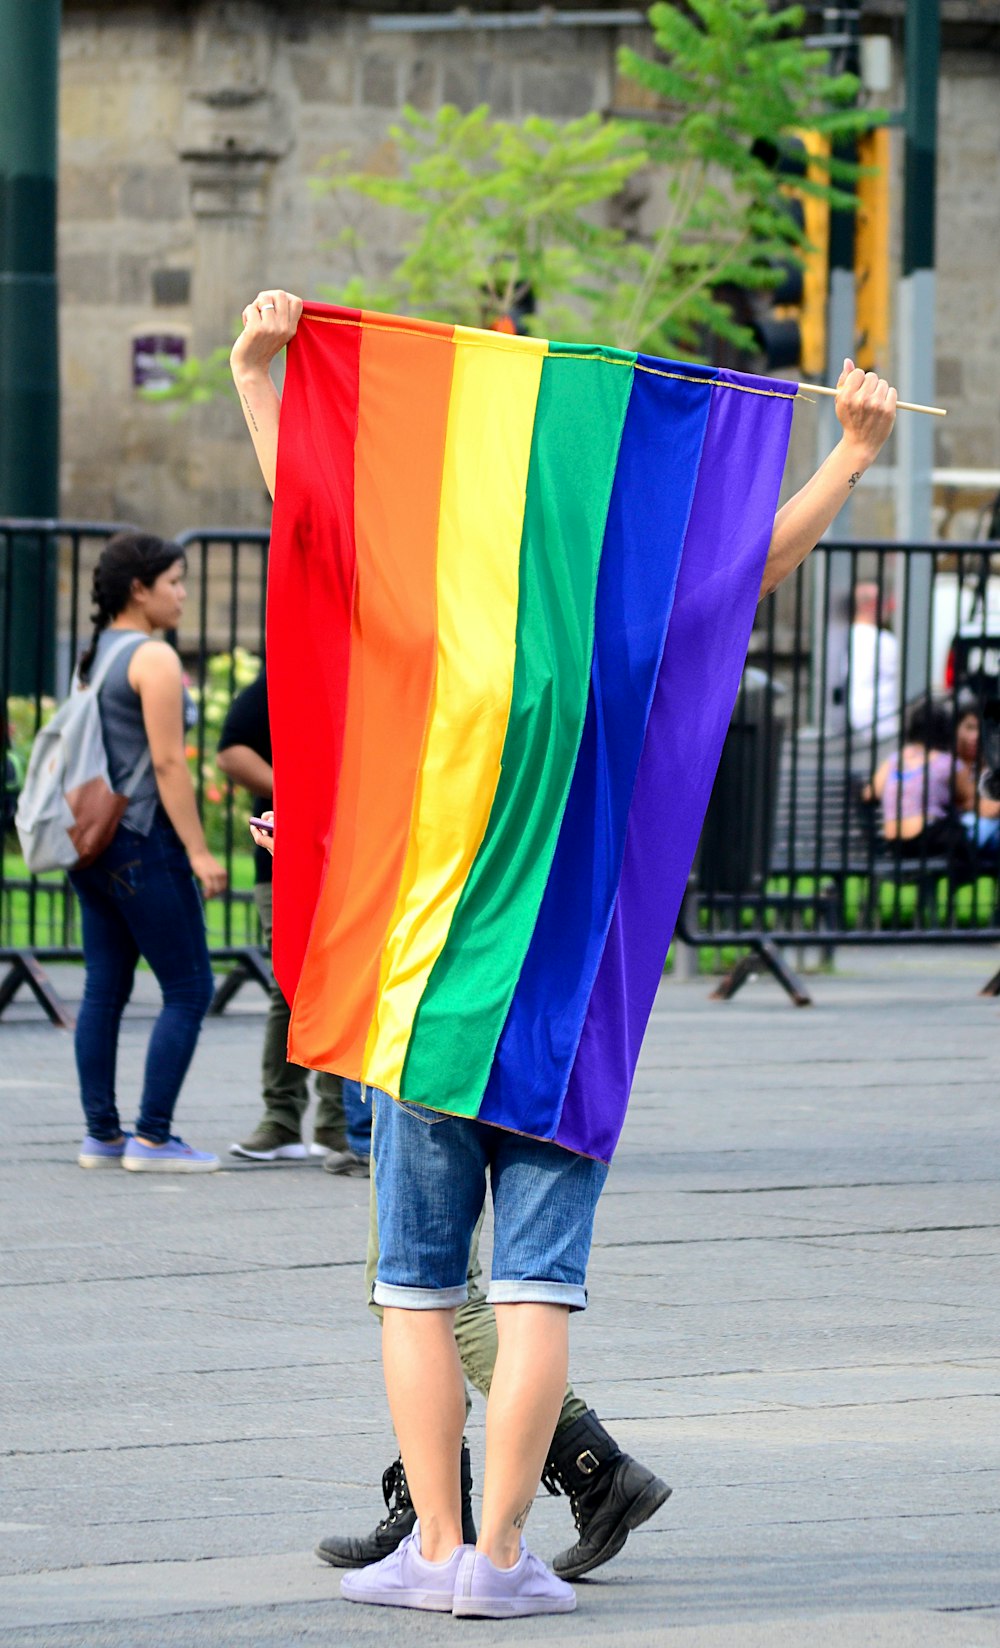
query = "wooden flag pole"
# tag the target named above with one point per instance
(807, 389)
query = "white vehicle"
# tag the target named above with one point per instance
(965, 647)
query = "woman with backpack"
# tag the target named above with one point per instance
(138, 898)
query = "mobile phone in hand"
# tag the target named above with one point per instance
(265, 825)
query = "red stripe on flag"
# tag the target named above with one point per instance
(405, 389)
(311, 580)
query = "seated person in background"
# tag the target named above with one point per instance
(924, 788)
(981, 822)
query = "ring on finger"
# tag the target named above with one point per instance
(264, 306)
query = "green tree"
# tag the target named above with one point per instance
(498, 207)
(734, 81)
(499, 210)
(489, 211)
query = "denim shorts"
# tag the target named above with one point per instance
(430, 1186)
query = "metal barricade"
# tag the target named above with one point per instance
(794, 851)
(854, 648)
(45, 579)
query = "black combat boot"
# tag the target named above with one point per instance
(609, 1493)
(348, 1551)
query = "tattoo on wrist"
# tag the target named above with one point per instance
(522, 1516)
(253, 424)
(852, 480)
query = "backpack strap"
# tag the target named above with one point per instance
(133, 641)
(139, 773)
(96, 681)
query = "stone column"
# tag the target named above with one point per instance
(235, 130)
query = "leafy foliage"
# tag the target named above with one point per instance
(195, 381)
(734, 81)
(500, 209)
(226, 674)
(537, 218)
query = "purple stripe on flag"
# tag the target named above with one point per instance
(644, 535)
(724, 552)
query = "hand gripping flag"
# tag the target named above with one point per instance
(511, 590)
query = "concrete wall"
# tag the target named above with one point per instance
(189, 135)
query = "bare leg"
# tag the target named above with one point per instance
(423, 1379)
(529, 1382)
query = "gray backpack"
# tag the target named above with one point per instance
(67, 811)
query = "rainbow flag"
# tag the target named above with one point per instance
(511, 589)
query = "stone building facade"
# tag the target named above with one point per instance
(190, 131)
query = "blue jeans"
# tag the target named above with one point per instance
(358, 1116)
(984, 833)
(139, 899)
(430, 1185)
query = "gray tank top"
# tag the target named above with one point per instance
(125, 731)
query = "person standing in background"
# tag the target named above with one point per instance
(873, 668)
(138, 899)
(342, 1131)
(431, 1171)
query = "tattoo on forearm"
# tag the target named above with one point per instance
(522, 1516)
(253, 423)
(852, 480)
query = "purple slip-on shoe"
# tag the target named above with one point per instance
(98, 1153)
(483, 1591)
(405, 1579)
(173, 1157)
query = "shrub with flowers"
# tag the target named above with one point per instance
(225, 674)
(21, 727)
(19, 731)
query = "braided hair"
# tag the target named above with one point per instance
(125, 557)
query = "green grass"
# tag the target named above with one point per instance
(56, 916)
(57, 919)
(970, 906)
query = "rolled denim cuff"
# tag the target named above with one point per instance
(418, 1298)
(537, 1293)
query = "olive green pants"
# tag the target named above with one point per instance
(475, 1323)
(285, 1087)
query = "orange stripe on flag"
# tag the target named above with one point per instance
(405, 389)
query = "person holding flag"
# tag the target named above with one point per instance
(528, 571)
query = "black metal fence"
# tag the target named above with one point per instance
(45, 581)
(796, 851)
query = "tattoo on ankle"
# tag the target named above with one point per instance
(854, 479)
(522, 1516)
(253, 421)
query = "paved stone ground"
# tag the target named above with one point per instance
(794, 1318)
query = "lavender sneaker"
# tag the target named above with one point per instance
(485, 1592)
(405, 1579)
(173, 1157)
(97, 1153)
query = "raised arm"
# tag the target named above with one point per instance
(866, 408)
(268, 324)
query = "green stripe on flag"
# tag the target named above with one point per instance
(579, 418)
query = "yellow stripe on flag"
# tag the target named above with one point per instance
(487, 449)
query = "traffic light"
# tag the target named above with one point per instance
(790, 320)
(871, 252)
